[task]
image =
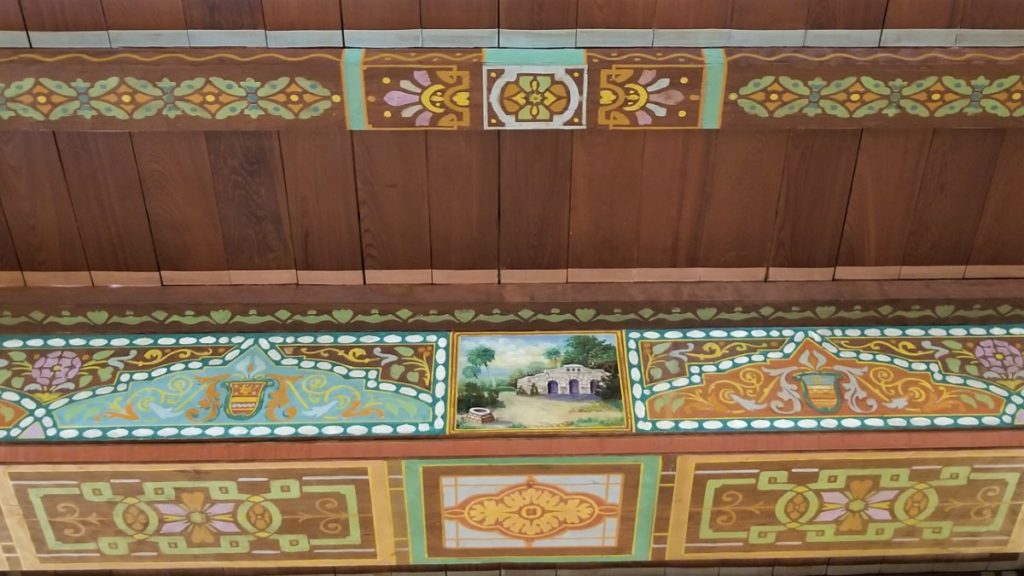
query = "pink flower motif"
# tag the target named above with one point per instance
(423, 98)
(198, 519)
(649, 96)
(856, 505)
(1002, 360)
(54, 371)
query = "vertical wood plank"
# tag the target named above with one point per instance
(671, 197)
(536, 171)
(10, 268)
(224, 14)
(144, 14)
(302, 14)
(602, 216)
(769, 14)
(391, 179)
(537, 14)
(846, 14)
(993, 14)
(890, 166)
(177, 184)
(462, 175)
(249, 184)
(103, 181)
(923, 13)
(459, 13)
(999, 241)
(616, 13)
(380, 14)
(691, 14)
(63, 15)
(35, 198)
(322, 201)
(816, 186)
(10, 16)
(952, 197)
(739, 213)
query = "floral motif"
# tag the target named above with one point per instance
(856, 505)
(535, 97)
(1002, 360)
(532, 511)
(862, 96)
(130, 98)
(199, 520)
(643, 98)
(440, 100)
(54, 371)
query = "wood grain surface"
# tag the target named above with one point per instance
(177, 183)
(59, 15)
(462, 180)
(393, 199)
(322, 204)
(144, 14)
(536, 178)
(249, 183)
(380, 14)
(35, 199)
(816, 183)
(952, 197)
(537, 14)
(107, 198)
(302, 14)
(224, 14)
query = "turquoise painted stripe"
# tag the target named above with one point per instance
(714, 89)
(650, 473)
(531, 56)
(355, 92)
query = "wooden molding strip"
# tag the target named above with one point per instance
(516, 38)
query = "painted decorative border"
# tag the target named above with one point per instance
(729, 509)
(424, 517)
(223, 386)
(512, 88)
(253, 317)
(845, 373)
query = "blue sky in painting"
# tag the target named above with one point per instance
(512, 352)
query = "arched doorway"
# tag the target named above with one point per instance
(552, 387)
(574, 387)
(593, 387)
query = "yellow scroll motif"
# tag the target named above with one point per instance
(531, 511)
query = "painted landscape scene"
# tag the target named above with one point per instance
(538, 382)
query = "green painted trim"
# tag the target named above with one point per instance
(714, 88)
(355, 91)
(535, 57)
(643, 529)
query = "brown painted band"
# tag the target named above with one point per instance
(540, 446)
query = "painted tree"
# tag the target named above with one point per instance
(592, 352)
(482, 356)
(553, 355)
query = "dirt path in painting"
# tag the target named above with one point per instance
(538, 412)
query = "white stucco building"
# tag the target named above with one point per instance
(571, 380)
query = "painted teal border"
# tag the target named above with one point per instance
(714, 88)
(647, 495)
(355, 92)
(642, 424)
(535, 57)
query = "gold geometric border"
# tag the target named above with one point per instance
(686, 467)
(377, 477)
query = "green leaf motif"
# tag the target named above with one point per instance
(103, 86)
(791, 108)
(837, 86)
(753, 108)
(64, 110)
(273, 87)
(144, 86)
(795, 86)
(915, 108)
(230, 86)
(59, 87)
(19, 87)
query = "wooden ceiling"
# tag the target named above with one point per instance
(553, 206)
(78, 15)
